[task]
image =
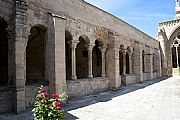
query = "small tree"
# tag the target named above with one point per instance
(47, 108)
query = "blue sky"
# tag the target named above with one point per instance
(143, 14)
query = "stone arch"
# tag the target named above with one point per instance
(82, 57)
(68, 38)
(85, 39)
(122, 47)
(5, 17)
(35, 55)
(4, 52)
(129, 49)
(97, 58)
(173, 33)
(100, 42)
(173, 51)
(36, 22)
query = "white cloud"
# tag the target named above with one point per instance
(144, 16)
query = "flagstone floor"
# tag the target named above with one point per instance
(151, 100)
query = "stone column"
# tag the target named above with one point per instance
(124, 62)
(19, 55)
(56, 65)
(149, 62)
(177, 56)
(130, 63)
(103, 53)
(158, 63)
(162, 38)
(112, 60)
(73, 45)
(90, 48)
(137, 61)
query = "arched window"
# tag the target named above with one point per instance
(82, 58)
(97, 60)
(120, 63)
(174, 57)
(35, 56)
(143, 61)
(127, 63)
(68, 38)
(154, 63)
(4, 53)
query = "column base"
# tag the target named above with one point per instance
(19, 103)
(103, 75)
(90, 76)
(74, 77)
(124, 74)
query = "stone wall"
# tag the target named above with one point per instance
(82, 12)
(82, 87)
(129, 79)
(6, 99)
(31, 92)
(80, 19)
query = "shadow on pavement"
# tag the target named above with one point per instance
(81, 102)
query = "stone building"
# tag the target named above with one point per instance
(169, 38)
(70, 46)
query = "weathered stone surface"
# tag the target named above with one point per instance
(168, 33)
(54, 27)
(84, 87)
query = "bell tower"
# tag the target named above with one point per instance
(177, 10)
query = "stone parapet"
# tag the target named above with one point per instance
(169, 23)
(82, 87)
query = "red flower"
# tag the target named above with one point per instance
(41, 89)
(57, 103)
(46, 94)
(55, 95)
(59, 108)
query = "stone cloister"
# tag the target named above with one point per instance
(169, 37)
(69, 46)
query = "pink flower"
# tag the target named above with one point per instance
(41, 89)
(57, 104)
(55, 95)
(59, 108)
(46, 94)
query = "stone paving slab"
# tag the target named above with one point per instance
(151, 100)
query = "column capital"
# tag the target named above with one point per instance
(103, 49)
(90, 47)
(130, 53)
(123, 51)
(73, 43)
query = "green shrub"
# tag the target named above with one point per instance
(47, 108)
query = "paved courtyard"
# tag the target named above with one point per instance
(159, 101)
(151, 100)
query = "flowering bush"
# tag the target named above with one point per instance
(47, 108)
